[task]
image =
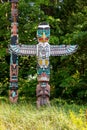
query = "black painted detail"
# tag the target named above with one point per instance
(13, 40)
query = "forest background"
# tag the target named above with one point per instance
(68, 22)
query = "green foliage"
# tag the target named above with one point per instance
(26, 116)
(27, 87)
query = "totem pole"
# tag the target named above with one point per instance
(13, 92)
(43, 50)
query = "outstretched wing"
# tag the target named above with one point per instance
(60, 50)
(23, 49)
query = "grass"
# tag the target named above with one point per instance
(25, 116)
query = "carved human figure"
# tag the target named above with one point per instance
(43, 94)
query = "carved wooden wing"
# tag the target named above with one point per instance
(60, 50)
(23, 49)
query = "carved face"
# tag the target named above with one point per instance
(43, 33)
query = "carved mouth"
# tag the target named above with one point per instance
(43, 39)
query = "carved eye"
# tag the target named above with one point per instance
(40, 31)
(47, 31)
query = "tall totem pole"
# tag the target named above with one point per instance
(13, 92)
(43, 50)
